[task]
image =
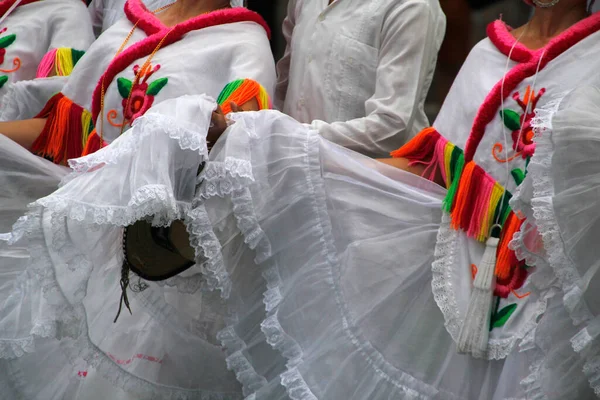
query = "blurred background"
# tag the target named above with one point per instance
(466, 24)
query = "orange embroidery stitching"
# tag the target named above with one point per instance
(111, 116)
(522, 296)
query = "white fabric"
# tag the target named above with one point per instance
(139, 356)
(359, 71)
(40, 27)
(168, 348)
(105, 13)
(25, 99)
(452, 272)
(309, 225)
(562, 190)
(328, 254)
(205, 52)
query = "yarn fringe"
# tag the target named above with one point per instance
(66, 132)
(474, 200)
(242, 91)
(59, 62)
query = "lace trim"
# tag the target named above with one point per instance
(143, 127)
(153, 202)
(207, 246)
(545, 219)
(72, 313)
(238, 363)
(292, 380)
(223, 178)
(445, 298)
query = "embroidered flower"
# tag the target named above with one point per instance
(520, 125)
(138, 96)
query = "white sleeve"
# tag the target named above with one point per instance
(71, 27)
(410, 40)
(254, 60)
(283, 66)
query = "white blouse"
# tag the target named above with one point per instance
(359, 71)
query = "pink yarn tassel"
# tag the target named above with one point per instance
(437, 161)
(478, 214)
(47, 64)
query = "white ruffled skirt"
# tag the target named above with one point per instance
(313, 277)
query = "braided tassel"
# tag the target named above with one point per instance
(474, 334)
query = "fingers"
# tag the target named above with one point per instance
(234, 107)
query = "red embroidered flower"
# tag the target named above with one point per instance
(514, 281)
(520, 125)
(523, 140)
(138, 96)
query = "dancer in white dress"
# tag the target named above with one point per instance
(323, 258)
(146, 72)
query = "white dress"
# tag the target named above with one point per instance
(560, 194)
(72, 357)
(314, 263)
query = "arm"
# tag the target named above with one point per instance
(417, 169)
(409, 44)
(283, 66)
(23, 132)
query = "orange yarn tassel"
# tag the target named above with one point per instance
(419, 148)
(61, 138)
(506, 259)
(462, 196)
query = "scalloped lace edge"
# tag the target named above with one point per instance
(292, 379)
(143, 127)
(543, 211)
(238, 363)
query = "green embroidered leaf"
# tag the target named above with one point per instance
(500, 318)
(3, 80)
(512, 120)
(518, 175)
(156, 86)
(7, 40)
(124, 86)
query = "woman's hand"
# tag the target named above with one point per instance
(218, 122)
(218, 125)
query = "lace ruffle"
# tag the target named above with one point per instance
(222, 178)
(276, 336)
(545, 219)
(143, 127)
(207, 246)
(236, 361)
(153, 202)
